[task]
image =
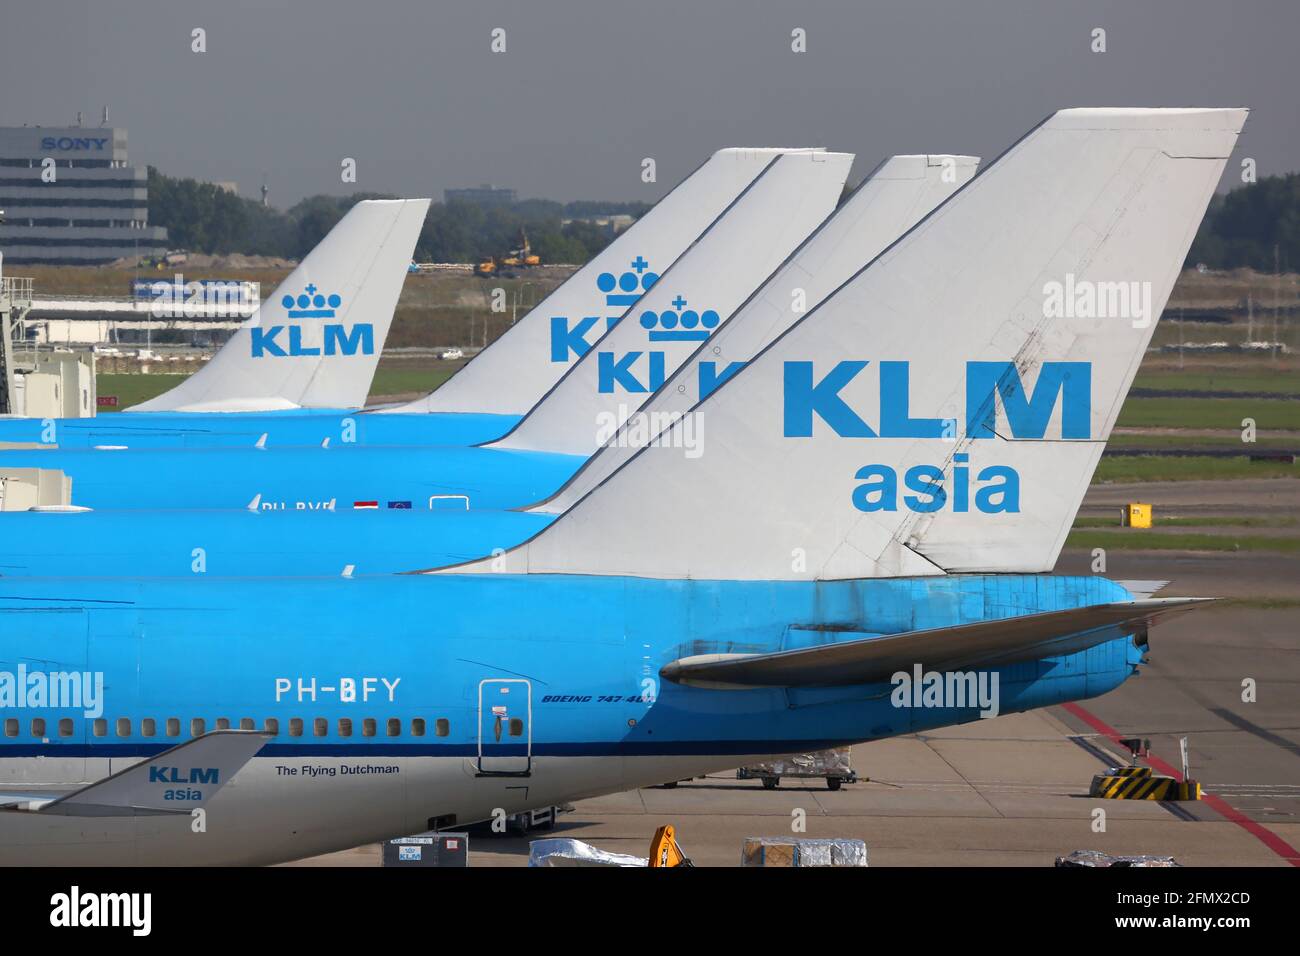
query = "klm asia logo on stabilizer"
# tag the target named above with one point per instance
(1063, 386)
(620, 292)
(334, 338)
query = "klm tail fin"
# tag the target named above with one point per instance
(944, 410)
(687, 304)
(316, 341)
(899, 193)
(512, 374)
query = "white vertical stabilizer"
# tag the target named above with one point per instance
(513, 373)
(687, 305)
(897, 195)
(314, 343)
(944, 410)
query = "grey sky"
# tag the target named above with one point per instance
(587, 88)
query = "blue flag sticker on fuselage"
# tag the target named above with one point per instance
(279, 341)
(1067, 384)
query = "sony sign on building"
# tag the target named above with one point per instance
(70, 198)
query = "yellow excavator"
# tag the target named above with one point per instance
(521, 257)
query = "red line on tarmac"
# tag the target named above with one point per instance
(1220, 806)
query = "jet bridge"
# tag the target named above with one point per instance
(15, 302)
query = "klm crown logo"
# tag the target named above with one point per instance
(682, 325)
(310, 304)
(326, 339)
(623, 291)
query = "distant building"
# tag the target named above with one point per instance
(484, 195)
(95, 210)
(609, 225)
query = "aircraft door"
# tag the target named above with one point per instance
(505, 727)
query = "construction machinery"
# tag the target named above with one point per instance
(520, 257)
(664, 850)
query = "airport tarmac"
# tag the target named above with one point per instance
(1013, 790)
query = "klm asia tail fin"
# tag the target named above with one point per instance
(944, 410)
(513, 373)
(899, 193)
(316, 341)
(690, 302)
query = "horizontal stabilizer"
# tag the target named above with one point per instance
(176, 781)
(984, 644)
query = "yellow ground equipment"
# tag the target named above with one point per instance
(1137, 515)
(664, 850)
(1139, 783)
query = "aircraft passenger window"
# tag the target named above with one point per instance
(38, 726)
(295, 726)
(516, 727)
(11, 727)
(345, 726)
(223, 723)
(99, 727)
(173, 727)
(124, 726)
(368, 727)
(394, 727)
(272, 727)
(320, 726)
(65, 726)
(246, 723)
(417, 726)
(148, 727)
(442, 726)
(198, 726)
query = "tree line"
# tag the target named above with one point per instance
(1241, 227)
(201, 217)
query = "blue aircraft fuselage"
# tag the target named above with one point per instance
(403, 703)
(586, 652)
(262, 543)
(443, 477)
(243, 429)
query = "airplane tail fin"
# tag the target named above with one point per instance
(316, 341)
(944, 410)
(900, 192)
(689, 303)
(512, 374)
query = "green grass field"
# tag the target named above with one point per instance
(1225, 413)
(1192, 442)
(1170, 468)
(133, 389)
(1221, 380)
(1195, 522)
(1135, 539)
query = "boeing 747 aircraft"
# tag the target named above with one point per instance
(867, 556)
